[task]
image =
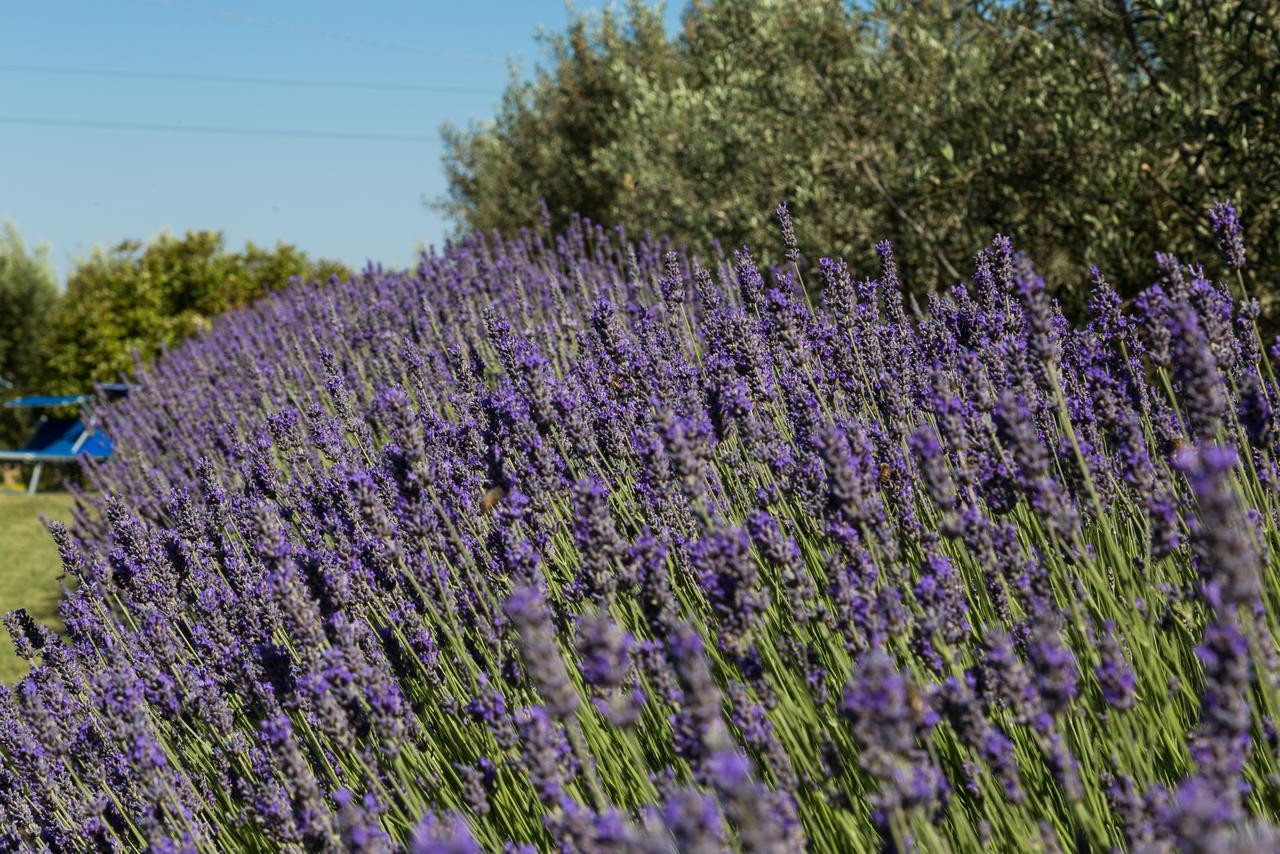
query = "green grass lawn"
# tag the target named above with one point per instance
(29, 565)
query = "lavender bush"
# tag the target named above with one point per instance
(584, 544)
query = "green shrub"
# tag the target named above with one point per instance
(1093, 131)
(27, 298)
(134, 300)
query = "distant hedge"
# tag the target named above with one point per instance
(1092, 131)
(28, 294)
(131, 301)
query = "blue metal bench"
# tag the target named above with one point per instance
(59, 439)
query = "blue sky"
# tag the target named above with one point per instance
(87, 85)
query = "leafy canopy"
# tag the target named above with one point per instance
(27, 298)
(28, 294)
(134, 300)
(1093, 131)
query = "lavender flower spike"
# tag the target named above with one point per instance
(1228, 232)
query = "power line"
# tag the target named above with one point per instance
(251, 81)
(284, 26)
(355, 136)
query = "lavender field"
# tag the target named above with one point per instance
(579, 543)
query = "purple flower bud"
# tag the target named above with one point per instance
(1222, 743)
(598, 541)
(792, 251)
(890, 718)
(1115, 675)
(729, 576)
(763, 820)
(1224, 553)
(1201, 816)
(447, 835)
(545, 753)
(940, 592)
(694, 822)
(782, 551)
(529, 614)
(1228, 232)
(1196, 371)
(604, 652)
(932, 464)
(698, 726)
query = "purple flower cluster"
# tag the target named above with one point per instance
(576, 542)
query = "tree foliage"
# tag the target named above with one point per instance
(27, 297)
(134, 300)
(1093, 131)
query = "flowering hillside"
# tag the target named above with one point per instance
(586, 544)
